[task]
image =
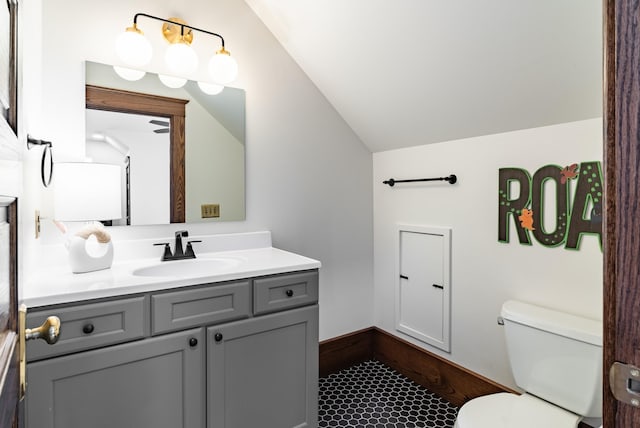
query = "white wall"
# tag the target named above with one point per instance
(308, 176)
(485, 272)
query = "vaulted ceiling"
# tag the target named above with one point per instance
(412, 72)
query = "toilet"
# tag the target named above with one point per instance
(556, 358)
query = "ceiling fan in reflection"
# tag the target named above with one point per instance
(163, 123)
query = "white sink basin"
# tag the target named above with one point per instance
(189, 268)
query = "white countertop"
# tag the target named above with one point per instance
(58, 285)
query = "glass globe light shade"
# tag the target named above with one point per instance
(133, 48)
(181, 59)
(172, 81)
(129, 73)
(210, 88)
(223, 68)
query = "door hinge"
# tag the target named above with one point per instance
(624, 381)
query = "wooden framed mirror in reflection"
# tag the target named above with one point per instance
(182, 151)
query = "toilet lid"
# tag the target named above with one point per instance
(506, 410)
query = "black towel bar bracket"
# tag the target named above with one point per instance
(47, 153)
(452, 179)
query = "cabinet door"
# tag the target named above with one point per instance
(155, 383)
(263, 372)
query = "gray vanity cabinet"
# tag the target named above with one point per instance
(238, 354)
(263, 372)
(156, 383)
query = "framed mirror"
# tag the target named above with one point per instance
(182, 151)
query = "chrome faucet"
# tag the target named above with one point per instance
(178, 252)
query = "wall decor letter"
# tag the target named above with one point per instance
(586, 214)
(543, 204)
(510, 206)
(546, 174)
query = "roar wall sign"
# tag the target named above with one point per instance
(557, 205)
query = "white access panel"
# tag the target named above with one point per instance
(423, 289)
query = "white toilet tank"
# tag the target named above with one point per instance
(555, 356)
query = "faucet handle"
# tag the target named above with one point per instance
(167, 251)
(189, 251)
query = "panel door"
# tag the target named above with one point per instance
(263, 372)
(9, 345)
(423, 286)
(157, 383)
(622, 198)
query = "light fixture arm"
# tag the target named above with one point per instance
(133, 48)
(182, 26)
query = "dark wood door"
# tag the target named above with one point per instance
(9, 355)
(622, 181)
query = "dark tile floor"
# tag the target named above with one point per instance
(371, 395)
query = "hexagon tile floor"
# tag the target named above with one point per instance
(372, 395)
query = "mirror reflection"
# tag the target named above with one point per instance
(178, 165)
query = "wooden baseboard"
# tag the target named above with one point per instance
(345, 351)
(451, 381)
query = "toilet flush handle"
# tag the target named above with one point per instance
(500, 321)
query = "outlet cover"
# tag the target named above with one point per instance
(210, 210)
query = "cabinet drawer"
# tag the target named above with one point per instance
(90, 326)
(199, 306)
(277, 293)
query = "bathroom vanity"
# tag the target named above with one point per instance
(236, 348)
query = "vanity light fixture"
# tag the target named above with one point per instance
(133, 48)
(210, 88)
(179, 56)
(129, 73)
(135, 51)
(172, 81)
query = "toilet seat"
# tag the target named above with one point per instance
(505, 410)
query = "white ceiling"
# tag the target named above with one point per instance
(411, 72)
